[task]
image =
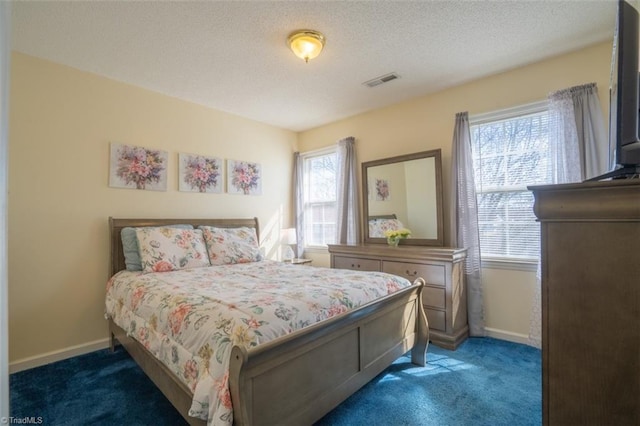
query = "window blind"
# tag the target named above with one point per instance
(510, 152)
(320, 198)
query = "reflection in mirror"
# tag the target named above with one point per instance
(404, 192)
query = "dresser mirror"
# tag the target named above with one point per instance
(404, 192)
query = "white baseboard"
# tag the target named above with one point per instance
(507, 335)
(49, 357)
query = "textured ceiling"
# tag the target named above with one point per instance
(231, 55)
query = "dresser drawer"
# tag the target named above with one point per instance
(356, 263)
(433, 296)
(436, 319)
(432, 274)
(443, 296)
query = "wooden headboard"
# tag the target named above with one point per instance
(116, 225)
(383, 216)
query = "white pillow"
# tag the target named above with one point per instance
(166, 249)
(231, 245)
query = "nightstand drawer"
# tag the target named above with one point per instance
(356, 263)
(432, 274)
(436, 319)
(433, 296)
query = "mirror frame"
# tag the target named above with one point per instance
(437, 155)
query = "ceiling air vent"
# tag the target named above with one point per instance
(382, 79)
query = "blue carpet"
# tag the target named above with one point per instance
(485, 382)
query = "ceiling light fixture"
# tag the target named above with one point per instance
(306, 44)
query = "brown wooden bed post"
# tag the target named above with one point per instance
(112, 341)
(239, 400)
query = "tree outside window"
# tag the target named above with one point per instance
(509, 155)
(320, 200)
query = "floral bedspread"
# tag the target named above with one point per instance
(190, 319)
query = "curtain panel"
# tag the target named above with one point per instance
(578, 135)
(347, 228)
(464, 220)
(579, 150)
(298, 206)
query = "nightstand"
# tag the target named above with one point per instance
(299, 261)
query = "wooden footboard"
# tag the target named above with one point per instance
(300, 377)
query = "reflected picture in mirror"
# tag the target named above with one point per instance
(404, 192)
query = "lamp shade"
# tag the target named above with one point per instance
(288, 236)
(306, 44)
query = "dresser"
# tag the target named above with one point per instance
(590, 236)
(444, 296)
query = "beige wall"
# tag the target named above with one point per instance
(427, 123)
(61, 123)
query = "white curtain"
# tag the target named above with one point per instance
(464, 220)
(577, 135)
(579, 150)
(347, 224)
(596, 154)
(298, 206)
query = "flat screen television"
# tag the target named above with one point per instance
(624, 95)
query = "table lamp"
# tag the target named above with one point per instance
(288, 238)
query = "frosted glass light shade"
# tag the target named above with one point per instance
(306, 44)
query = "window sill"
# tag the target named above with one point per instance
(316, 249)
(527, 265)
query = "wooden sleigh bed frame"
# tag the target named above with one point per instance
(298, 378)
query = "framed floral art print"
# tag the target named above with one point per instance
(198, 173)
(382, 190)
(244, 178)
(137, 168)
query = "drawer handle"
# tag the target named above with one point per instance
(414, 273)
(355, 266)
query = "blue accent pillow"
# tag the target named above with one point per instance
(131, 249)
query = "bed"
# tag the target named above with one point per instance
(300, 376)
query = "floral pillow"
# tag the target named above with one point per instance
(377, 227)
(166, 249)
(130, 246)
(231, 245)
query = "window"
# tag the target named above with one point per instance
(320, 200)
(510, 152)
